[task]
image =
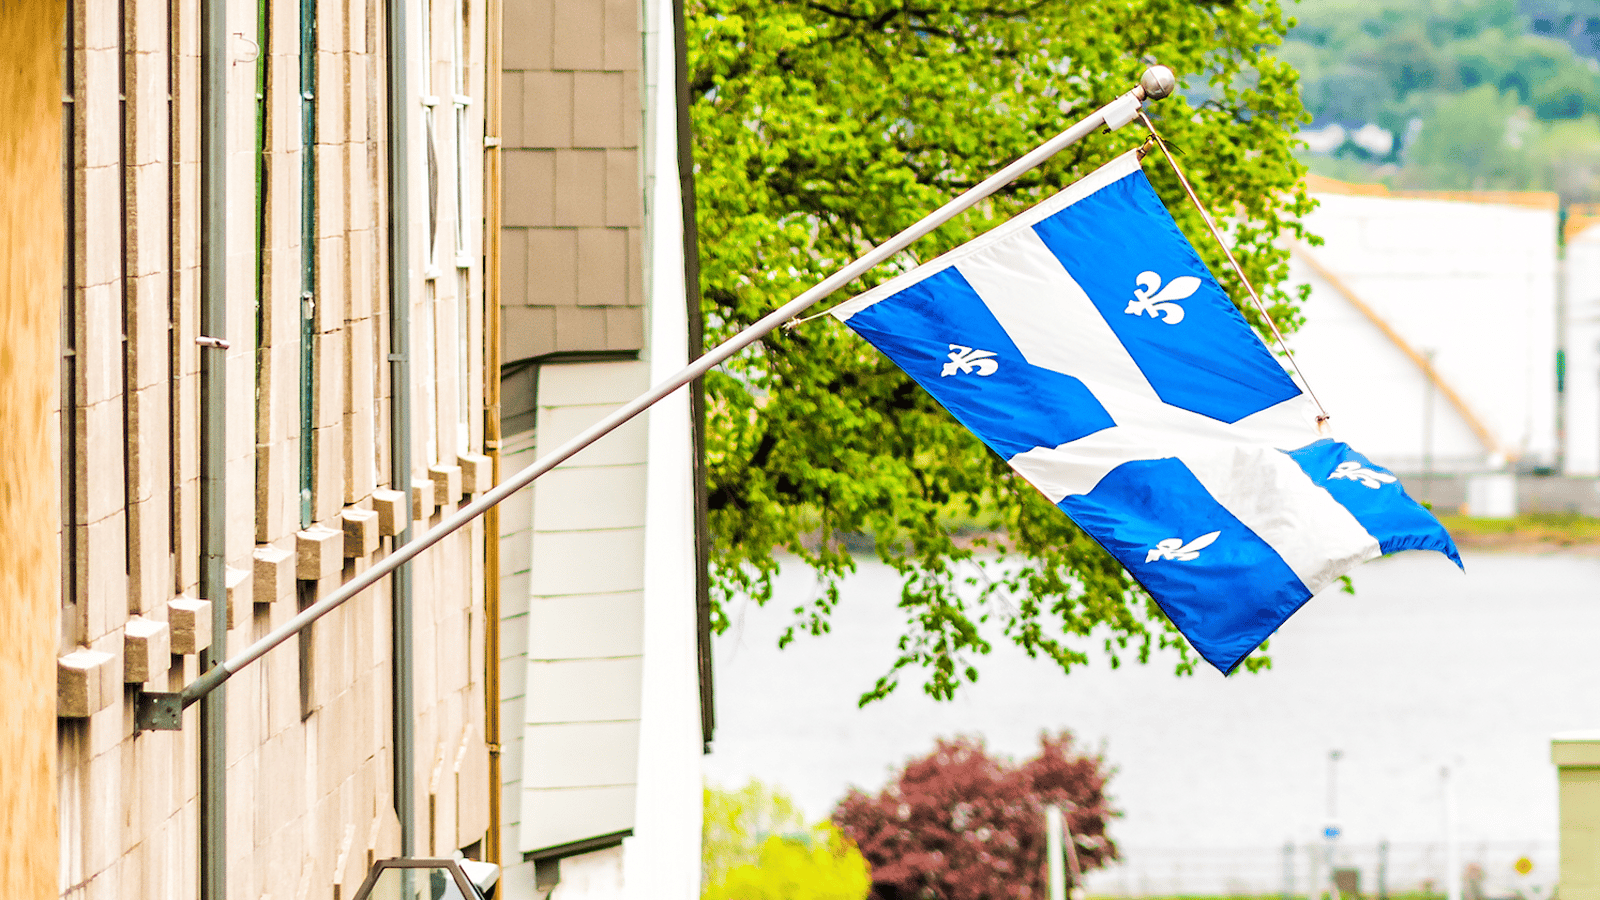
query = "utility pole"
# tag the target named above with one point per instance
(1452, 855)
(1322, 869)
(1332, 831)
(1383, 870)
(1053, 852)
(1288, 870)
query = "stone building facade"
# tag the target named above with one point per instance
(236, 396)
(310, 492)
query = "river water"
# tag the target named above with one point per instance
(1423, 667)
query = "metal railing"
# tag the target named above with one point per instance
(1386, 869)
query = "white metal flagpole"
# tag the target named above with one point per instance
(1156, 83)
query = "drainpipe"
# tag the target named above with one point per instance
(405, 795)
(491, 420)
(213, 437)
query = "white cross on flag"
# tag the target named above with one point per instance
(1087, 344)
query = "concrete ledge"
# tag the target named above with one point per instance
(190, 622)
(273, 574)
(86, 682)
(239, 585)
(319, 553)
(146, 650)
(391, 509)
(446, 484)
(477, 472)
(422, 502)
(360, 532)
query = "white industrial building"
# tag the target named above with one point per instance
(1431, 330)
(1581, 342)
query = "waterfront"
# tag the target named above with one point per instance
(1423, 666)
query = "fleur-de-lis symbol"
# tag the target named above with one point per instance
(967, 360)
(1176, 549)
(1354, 471)
(1163, 304)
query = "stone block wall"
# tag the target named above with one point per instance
(309, 741)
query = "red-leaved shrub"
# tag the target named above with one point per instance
(960, 824)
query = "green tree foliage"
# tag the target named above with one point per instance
(1489, 89)
(1412, 51)
(757, 846)
(824, 127)
(1464, 143)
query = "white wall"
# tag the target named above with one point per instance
(581, 706)
(1582, 413)
(606, 627)
(662, 859)
(1379, 400)
(1472, 283)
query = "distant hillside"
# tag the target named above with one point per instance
(1454, 94)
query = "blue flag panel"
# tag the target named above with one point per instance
(1218, 368)
(1202, 598)
(1016, 406)
(1374, 496)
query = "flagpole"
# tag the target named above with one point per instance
(1156, 83)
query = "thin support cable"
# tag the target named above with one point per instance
(1322, 412)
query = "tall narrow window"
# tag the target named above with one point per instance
(68, 399)
(129, 288)
(308, 253)
(263, 180)
(430, 261)
(463, 255)
(174, 292)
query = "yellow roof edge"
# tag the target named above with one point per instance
(1580, 216)
(1321, 184)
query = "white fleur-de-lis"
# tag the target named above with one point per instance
(1176, 549)
(967, 360)
(1354, 471)
(1158, 302)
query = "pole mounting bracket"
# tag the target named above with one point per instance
(159, 711)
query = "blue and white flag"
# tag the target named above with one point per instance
(1087, 344)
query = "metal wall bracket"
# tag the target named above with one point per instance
(159, 711)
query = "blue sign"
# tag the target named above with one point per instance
(1331, 832)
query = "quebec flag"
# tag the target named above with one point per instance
(1087, 344)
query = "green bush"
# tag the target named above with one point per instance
(757, 846)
